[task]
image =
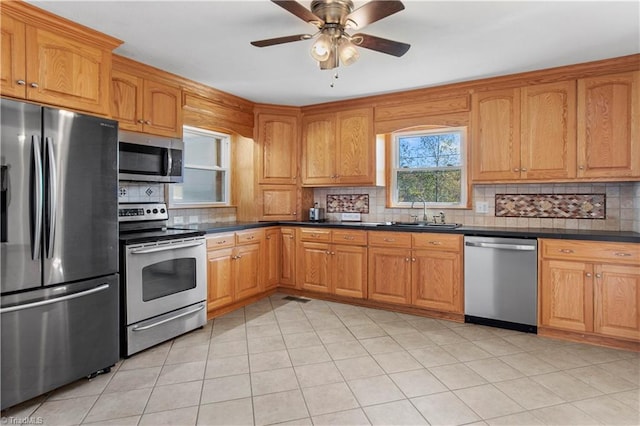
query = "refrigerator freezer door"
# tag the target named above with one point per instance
(20, 204)
(81, 203)
(53, 336)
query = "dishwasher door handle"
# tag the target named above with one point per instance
(516, 247)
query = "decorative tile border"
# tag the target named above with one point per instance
(560, 206)
(352, 203)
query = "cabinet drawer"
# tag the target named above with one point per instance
(314, 234)
(390, 239)
(593, 251)
(346, 236)
(220, 241)
(439, 242)
(249, 236)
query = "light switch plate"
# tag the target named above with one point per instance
(351, 217)
(482, 207)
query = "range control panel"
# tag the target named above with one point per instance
(137, 212)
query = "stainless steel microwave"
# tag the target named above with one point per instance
(149, 158)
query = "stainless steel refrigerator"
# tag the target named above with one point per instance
(59, 307)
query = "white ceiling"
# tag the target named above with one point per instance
(451, 41)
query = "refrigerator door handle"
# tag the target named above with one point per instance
(98, 289)
(36, 205)
(53, 194)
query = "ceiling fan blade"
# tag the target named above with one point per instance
(280, 40)
(374, 11)
(300, 11)
(379, 44)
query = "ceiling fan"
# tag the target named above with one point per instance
(333, 18)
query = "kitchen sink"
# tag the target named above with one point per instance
(427, 225)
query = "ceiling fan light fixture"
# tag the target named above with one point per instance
(321, 48)
(347, 51)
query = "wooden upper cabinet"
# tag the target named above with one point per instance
(279, 202)
(13, 75)
(608, 126)
(495, 135)
(548, 137)
(278, 139)
(339, 148)
(126, 100)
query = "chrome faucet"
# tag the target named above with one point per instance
(425, 215)
(442, 219)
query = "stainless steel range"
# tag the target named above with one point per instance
(163, 276)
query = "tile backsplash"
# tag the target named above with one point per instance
(134, 192)
(554, 206)
(622, 206)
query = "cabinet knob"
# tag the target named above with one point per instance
(141, 121)
(435, 243)
(581, 167)
(147, 122)
(348, 237)
(523, 169)
(515, 169)
(333, 253)
(221, 242)
(21, 82)
(413, 259)
(294, 213)
(268, 237)
(327, 252)
(598, 275)
(567, 251)
(34, 85)
(406, 259)
(621, 254)
(588, 274)
(389, 240)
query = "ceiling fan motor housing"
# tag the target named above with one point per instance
(332, 11)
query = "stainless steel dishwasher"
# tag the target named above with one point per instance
(501, 282)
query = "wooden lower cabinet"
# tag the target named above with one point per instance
(616, 294)
(219, 278)
(436, 280)
(272, 258)
(288, 257)
(247, 271)
(390, 275)
(349, 270)
(316, 271)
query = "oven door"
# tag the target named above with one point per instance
(164, 276)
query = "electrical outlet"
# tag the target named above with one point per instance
(482, 207)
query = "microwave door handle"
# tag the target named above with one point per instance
(169, 161)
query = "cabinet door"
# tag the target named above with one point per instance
(566, 295)
(318, 149)
(67, 72)
(355, 148)
(617, 301)
(272, 255)
(495, 130)
(278, 138)
(390, 275)
(288, 257)
(437, 280)
(608, 126)
(13, 74)
(247, 270)
(315, 266)
(126, 100)
(279, 202)
(548, 137)
(219, 278)
(349, 270)
(162, 109)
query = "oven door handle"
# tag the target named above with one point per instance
(166, 320)
(167, 247)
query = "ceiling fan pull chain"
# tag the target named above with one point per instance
(335, 77)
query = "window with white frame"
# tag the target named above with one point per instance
(429, 166)
(206, 170)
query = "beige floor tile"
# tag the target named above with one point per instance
(395, 362)
(318, 374)
(475, 332)
(518, 419)
(269, 361)
(528, 364)
(417, 383)
(170, 397)
(266, 344)
(184, 354)
(355, 319)
(279, 407)
(254, 331)
(467, 351)
(83, 387)
(226, 388)
(395, 413)
(120, 404)
(226, 349)
(396, 328)
(375, 390)
(532, 342)
(329, 398)
(194, 338)
(560, 358)
(457, 376)
(529, 394)
(335, 335)
(601, 379)
(179, 416)
(497, 346)
(308, 355)
(444, 336)
(630, 398)
(61, 412)
(325, 322)
(24, 409)
(357, 368)
(379, 345)
(179, 373)
(122, 421)
(564, 414)
(238, 412)
(345, 350)
(355, 417)
(294, 327)
(596, 354)
(609, 411)
(628, 369)
(290, 315)
(302, 340)
(272, 381)
(426, 324)
(494, 369)
(412, 340)
(381, 316)
(433, 356)
(488, 402)
(444, 409)
(566, 387)
(125, 380)
(230, 366)
(152, 357)
(366, 331)
(260, 318)
(229, 335)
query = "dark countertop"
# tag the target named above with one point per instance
(569, 234)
